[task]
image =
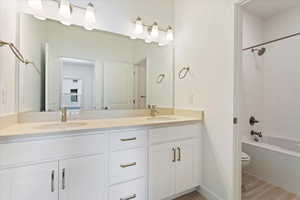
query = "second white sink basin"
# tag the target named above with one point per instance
(62, 125)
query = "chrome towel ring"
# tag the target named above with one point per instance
(160, 78)
(183, 72)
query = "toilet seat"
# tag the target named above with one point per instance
(245, 157)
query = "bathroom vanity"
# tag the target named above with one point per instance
(115, 159)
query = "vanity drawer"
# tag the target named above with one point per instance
(50, 149)
(166, 134)
(134, 190)
(128, 140)
(127, 165)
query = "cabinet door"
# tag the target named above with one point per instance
(187, 165)
(30, 183)
(161, 171)
(82, 178)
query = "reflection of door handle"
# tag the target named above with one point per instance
(143, 96)
(105, 108)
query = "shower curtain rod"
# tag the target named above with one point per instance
(272, 41)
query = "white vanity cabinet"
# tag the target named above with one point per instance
(65, 168)
(141, 164)
(82, 178)
(30, 182)
(174, 160)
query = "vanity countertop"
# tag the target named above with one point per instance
(24, 130)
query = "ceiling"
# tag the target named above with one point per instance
(268, 8)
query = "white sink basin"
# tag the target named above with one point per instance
(62, 125)
(161, 118)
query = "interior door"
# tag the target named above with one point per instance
(118, 85)
(142, 85)
(186, 162)
(82, 178)
(30, 183)
(161, 171)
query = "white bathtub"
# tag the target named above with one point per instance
(276, 160)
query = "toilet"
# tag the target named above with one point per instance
(245, 160)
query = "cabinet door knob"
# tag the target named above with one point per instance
(179, 154)
(128, 165)
(174, 154)
(63, 179)
(52, 181)
(128, 198)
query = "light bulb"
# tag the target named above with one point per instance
(154, 31)
(148, 38)
(65, 12)
(170, 34)
(90, 17)
(139, 27)
(37, 7)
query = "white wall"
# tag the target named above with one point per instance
(282, 76)
(251, 83)
(270, 83)
(205, 42)
(7, 60)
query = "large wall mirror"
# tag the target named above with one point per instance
(90, 70)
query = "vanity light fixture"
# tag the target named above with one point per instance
(90, 17)
(170, 34)
(65, 12)
(37, 7)
(139, 27)
(154, 30)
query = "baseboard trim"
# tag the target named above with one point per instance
(208, 194)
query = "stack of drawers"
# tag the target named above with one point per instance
(128, 165)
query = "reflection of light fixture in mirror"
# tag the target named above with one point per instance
(154, 30)
(139, 27)
(65, 12)
(37, 7)
(90, 17)
(170, 34)
(148, 38)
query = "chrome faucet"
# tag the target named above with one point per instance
(153, 110)
(259, 134)
(64, 115)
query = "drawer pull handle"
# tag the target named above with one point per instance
(174, 154)
(63, 180)
(128, 139)
(179, 154)
(128, 198)
(52, 181)
(128, 165)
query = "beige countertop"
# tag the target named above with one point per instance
(24, 130)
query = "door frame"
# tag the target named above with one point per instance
(237, 139)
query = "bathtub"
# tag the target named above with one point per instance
(276, 160)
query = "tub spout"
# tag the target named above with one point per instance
(259, 134)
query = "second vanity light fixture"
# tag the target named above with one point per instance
(65, 12)
(151, 33)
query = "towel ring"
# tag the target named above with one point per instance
(160, 78)
(183, 72)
